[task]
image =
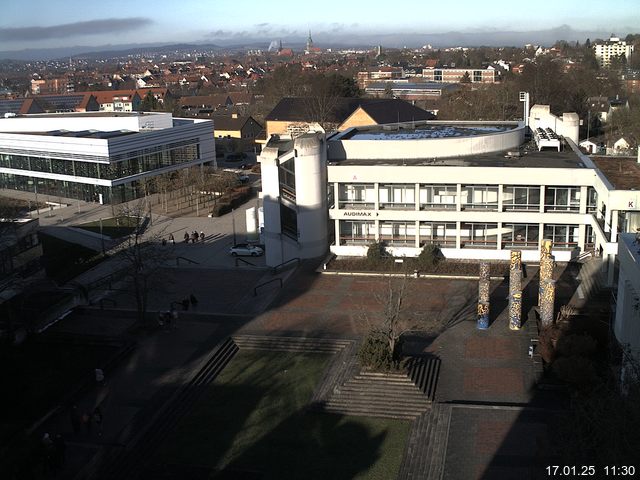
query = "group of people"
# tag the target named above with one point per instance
(194, 237)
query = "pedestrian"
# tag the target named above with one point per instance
(164, 242)
(185, 304)
(97, 418)
(75, 417)
(100, 376)
(86, 421)
(201, 236)
(194, 237)
(171, 239)
(186, 237)
(193, 300)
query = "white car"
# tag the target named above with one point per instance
(245, 250)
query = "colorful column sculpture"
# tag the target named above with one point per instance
(547, 302)
(515, 311)
(484, 285)
(483, 315)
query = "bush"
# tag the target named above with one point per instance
(570, 345)
(376, 252)
(576, 370)
(429, 256)
(375, 354)
(220, 209)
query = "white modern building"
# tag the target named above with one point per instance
(612, 48)
(477, 189)
(627, 322)
(98, 156)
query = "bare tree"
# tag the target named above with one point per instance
(143, 256)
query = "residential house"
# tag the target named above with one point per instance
(236, 132)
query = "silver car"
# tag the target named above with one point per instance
(245, 250)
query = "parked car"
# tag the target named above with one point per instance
(245, 250)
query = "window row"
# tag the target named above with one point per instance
(472, 197)
(472, 234)
(111, 171)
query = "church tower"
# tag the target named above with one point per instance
(309, 44)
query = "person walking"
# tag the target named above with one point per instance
(76, 419)
(201, 236)
(171, 239)
(97, 418)
(186, 237)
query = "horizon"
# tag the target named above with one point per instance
(74, 24)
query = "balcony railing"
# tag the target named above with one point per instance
(355, 205)
(479, 243)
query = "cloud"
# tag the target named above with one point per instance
(90, 27)
(261, 25)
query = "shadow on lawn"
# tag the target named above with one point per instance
(311, 446)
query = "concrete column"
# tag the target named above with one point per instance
(500, 190)
(540, 235)
(614, 225)
(337, 230)
(416, 196)
(376, 196)
(499, 236)
(541, 203)
(377, 227)
(417, 239)
(582, 234)
(458, 241)
(459, 199)
(336, 195)
(583, 199)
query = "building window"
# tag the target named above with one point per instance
(562, 236)
(438, 233)
(356, 196)
(438, 197)
(479, 234)
(287, 178)
(589, 238)
(480, 197)
(398, 233)
(399, 196)
(289, 221)
(356, 232)
(521, 198)
(562, 199)
(592, 200)
(520, 235)
(477, 75)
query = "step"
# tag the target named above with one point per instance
(372, 413)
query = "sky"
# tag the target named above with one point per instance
(65, 23)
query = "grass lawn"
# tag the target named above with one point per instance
(252, 419)
(114, 227)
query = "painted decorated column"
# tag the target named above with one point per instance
(483, 315)
(484, 285)
(547, 302)
(515, 290)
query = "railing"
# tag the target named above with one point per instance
(519, 244)
(274, 270)
(562, 208)
(351, 205)
(438, 206)
(357, 240)
(255, 290)
(188, 260)
(398, 206)
(480, 243)
(108, 300)
(515, 207)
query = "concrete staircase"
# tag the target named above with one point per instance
(386, 395)
(425, 451)
(291, 344)
(129, 462)
(593, 284)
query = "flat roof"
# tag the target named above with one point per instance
(424, 131)
(623, 173)
(86, 114)
(530, 158)
(81, 134)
